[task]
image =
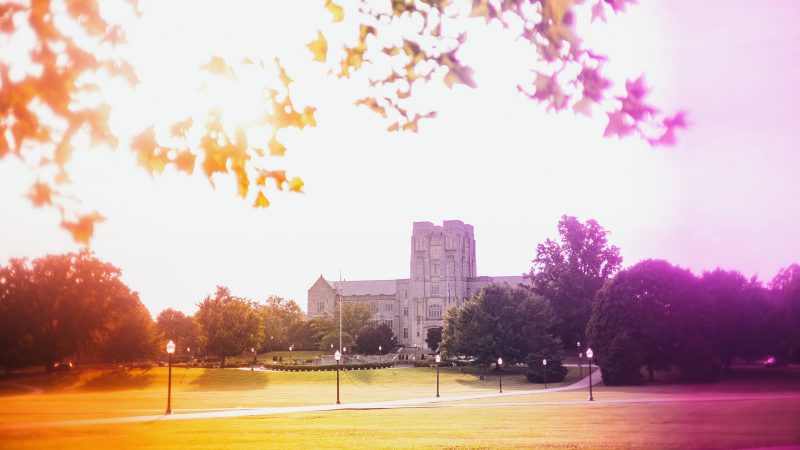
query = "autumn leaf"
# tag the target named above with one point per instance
(617, 126)
(185, 161)
(83, 228)
(218, 66)
(285, 80)
(335, 10)
(179, 129)
(307, 119)
(276, 148)
(261, 201)
(296, 185)
(40, 194)
(319, 48)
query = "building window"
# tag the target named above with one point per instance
(388, 323)
(405, 311)
(405, 333)
(419, 244)
(320, 306)
(389, 306)
(374, 306)
(434, 311)
(451, 241)
(434, 288)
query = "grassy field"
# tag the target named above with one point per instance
(751, 408)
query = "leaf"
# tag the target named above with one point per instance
(83, 228)
(296, 185)
(276, 148)
(617, 125)
(307, 119)
(185, 161)
(319, 48)
(179, 129)
(261, 201)
(336, 10)
(40, 194)
(218, 66)
(285, 80)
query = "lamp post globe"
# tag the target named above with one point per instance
(170, 351)
(438, 360)
(589, 354)
(253, 365)
(380, 353)
(500, 363)
(337, 356)
(291, 347)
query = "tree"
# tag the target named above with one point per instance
(132, 335)
(54, 104)
(176, 326)
(373, 336)
(546, 346)
(229, 325)
(785, 288)
(498, 321)
(279, 316)
(570, 272)
(62, 306)
(646, 316)
(738, 316)
(433, 338)
(303, 335)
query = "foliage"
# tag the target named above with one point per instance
(326, 367)
(549, 348)
(176, 326)
(279, 316)
(229, 325)
(67, 306)
(433, 338)
(355, 317)
(303, 335)
(786, 315)
(570, 272)
(499, 320)
(373, 336)
(49, 103)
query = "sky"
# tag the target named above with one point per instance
(725, 196)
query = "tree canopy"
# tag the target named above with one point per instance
(498, 321)
(229, 325)
(54, 100)
(570, 271)
(69, 306)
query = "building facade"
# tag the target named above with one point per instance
(442, 273)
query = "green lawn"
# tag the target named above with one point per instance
(649, 423)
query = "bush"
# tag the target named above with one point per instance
(304, 368)
(622, 362)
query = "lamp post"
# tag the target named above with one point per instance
(170, 351)
(544, 364)
(291, 347)
(270, 343)
(415, 352)
(438, 360)
(337, 356)
(589, 355)
(253, 365)
(499, 363)
(380, 354)
(580, 360)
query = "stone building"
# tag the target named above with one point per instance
(443, 272)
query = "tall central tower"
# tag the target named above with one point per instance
(442, 259)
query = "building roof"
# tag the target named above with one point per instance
(367, 287)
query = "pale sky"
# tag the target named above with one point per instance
(726, 195)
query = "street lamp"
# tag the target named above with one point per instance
(589, 354)
(337, 356)
(544, 363)
(170, 351)
(253, 351)
(380, 354)
(580, 366)
(415, 352)
(438, 360)
(291, 347)
(500, 363)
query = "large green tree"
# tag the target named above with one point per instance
(569, 272)
(176, 326)
(66, 306)
(373, 336)
(279, 316)
(785, 287)
(54, 100)
(229, 325)
(498, 321)
(654, 315)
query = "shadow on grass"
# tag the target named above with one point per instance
(229, 380)
(119, 379)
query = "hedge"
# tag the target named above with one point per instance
(325, 367)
